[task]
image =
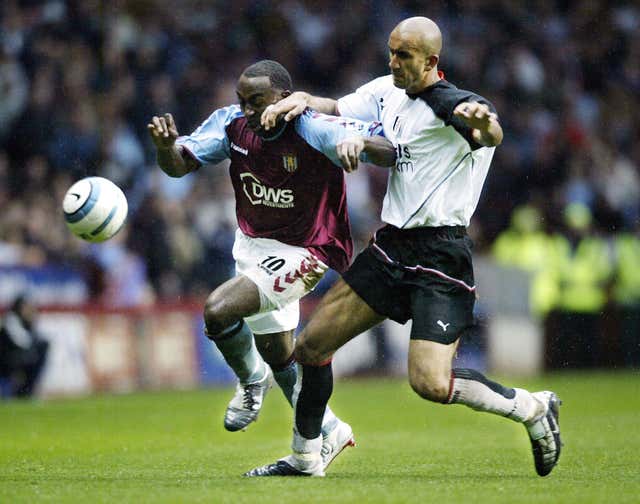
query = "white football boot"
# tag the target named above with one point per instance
(336, 440)
(306, 460)
(544, 433)
(246, 403)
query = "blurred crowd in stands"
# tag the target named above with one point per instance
(79, 80)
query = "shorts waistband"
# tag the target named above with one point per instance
(417, 232)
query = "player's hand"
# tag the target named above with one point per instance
(476, 115)
(349, 151)
(291, 107)
(163, 131)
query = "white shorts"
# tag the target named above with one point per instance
(283, 274)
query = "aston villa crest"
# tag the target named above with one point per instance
(290, 162)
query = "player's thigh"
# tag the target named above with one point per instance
(340, 316)
(441, 311)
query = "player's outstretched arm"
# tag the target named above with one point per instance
(294, 105)
(486, 127)
(379, 151)
(164, 133)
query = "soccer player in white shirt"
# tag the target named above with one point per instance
(419, 265)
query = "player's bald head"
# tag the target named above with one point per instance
(421, 32)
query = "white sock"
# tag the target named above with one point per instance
(477, 392)
(307, 453)
(303, 445)
(329, 421)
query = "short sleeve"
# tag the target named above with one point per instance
(460, 125)
(324, 132)
(363, 104)
(209, 143)
(444, 98)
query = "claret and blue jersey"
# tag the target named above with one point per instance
(289, 187)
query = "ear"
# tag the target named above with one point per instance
(432, 61)
(285, 93)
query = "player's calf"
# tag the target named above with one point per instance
(237, 346)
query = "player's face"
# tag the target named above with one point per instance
(256, 94)
(407, 61)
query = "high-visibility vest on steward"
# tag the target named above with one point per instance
(584, 275)
(544, 294)
(626, 291)
(525, 251)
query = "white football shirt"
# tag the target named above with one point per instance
(440, 169)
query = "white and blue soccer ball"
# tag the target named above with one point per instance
(94, 209)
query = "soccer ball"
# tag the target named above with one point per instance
(94, 209)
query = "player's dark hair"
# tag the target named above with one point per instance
(277, 74)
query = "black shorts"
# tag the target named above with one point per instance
(423, 274)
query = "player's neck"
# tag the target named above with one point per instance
(430, 79)
(433, 76)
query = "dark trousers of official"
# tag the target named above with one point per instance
(629, 322)
(573, 340)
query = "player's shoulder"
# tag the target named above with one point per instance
(227, 114)
(443, 92)
(379, 85)
(383, 81)
(444, 96)
(219, 120)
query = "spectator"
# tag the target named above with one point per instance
(626, 294)
(14, 91)
(582, 277)
(23, 352)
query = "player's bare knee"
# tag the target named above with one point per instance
(214, 318)
(430, 388)
(306, 353)
(302, 353)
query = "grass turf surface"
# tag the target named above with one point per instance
(171, 447)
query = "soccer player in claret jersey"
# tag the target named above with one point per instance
(419, 265)
(293, 225)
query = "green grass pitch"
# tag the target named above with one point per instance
(171, 447)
